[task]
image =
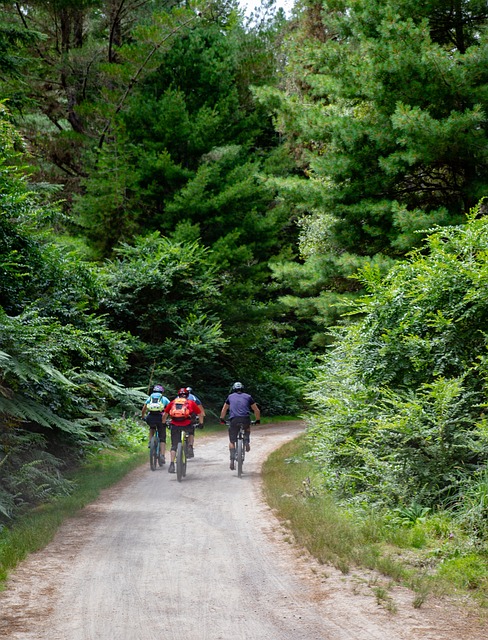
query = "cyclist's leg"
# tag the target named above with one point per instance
(162, 438)
(233, 430)
(247, 438)
(152, 427)
(175, 438)
(191, 438)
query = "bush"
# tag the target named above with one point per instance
(398, 404)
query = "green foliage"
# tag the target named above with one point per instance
(399, 401)
(128, 433)
(165, 292)
(58, 359)
(383, 110)
(431, 552)
(472, 506)
(466, 572)
(410, 516)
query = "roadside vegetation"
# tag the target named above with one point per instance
(428, 552)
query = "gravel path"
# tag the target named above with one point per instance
(204, 559)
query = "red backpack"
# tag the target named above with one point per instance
(180, 409)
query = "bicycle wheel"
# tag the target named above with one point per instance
(153, 453)
(179, 461)
(240, 456)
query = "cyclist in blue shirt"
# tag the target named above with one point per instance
(239, 404)
(201, 416)
(154, 408)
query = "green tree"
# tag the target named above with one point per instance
(165, 293)
(385, 112)
(59, 361)
(190, 130)
(80, 72)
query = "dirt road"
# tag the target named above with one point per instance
(203, 559)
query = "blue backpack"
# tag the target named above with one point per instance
(155, 403)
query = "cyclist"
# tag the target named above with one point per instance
(154, 407)
(239, 405)
(191, 433)
(181, 418)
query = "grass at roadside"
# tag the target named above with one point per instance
(34, 530)
(427, 554)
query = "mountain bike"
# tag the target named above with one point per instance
(181, 455)
(155, 457)
(240, 448)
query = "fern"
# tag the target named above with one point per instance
(26, 409)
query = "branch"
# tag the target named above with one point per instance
(135, 77)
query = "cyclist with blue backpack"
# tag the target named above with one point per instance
(152, 413)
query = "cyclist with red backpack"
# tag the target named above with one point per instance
(181, 412)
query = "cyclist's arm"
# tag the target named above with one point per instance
(257, 412)
(197, 410)
(201, 410)
(224, 410)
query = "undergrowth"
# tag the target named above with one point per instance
(429, 553)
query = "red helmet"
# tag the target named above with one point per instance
(183, 392)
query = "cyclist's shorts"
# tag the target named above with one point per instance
(155, 421)
(176, 436)
(234, 427)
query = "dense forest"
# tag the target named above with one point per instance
(191, 195)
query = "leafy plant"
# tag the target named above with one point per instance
(399, 400)
(410, 516)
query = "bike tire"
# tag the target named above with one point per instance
(179, 462)
(153, 454)
(240, 456)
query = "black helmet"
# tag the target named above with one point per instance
(237, 386)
